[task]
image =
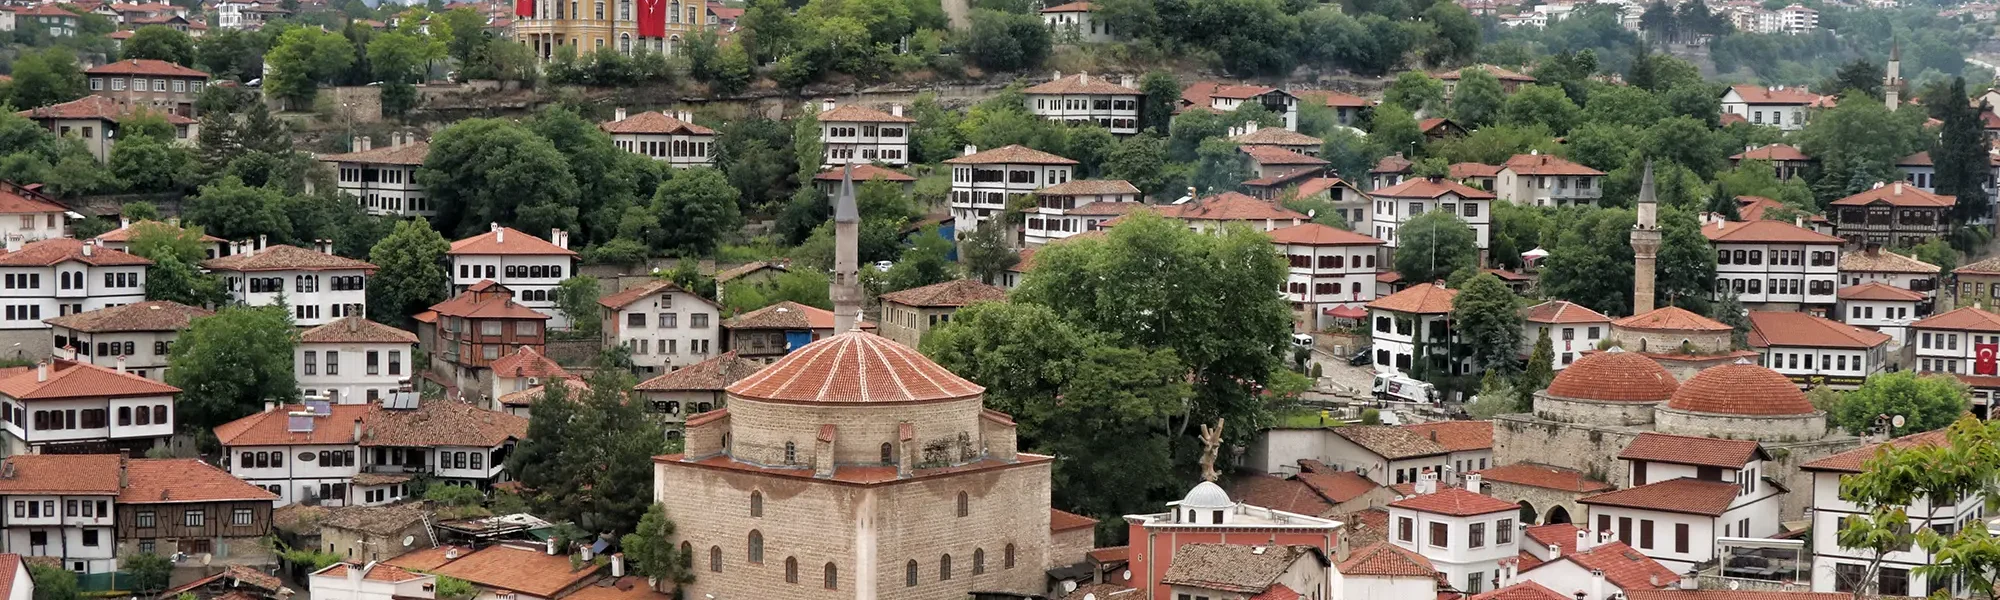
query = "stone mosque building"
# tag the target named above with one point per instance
(855, 467)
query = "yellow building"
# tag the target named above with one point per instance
(588, 25)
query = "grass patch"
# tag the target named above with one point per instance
(1304, 417)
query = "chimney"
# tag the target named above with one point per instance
(559, 238)
(618, 114)
(124, 221)
(969, 150)
(1055, 75)
(1127, 81)
(584, 553)
(550, 544)
(826, 105)
(270, 406)
(685, 116)
(1798, 221)
(1250, 128)
(1472, 482)
(367, 143)
(1898, 190)
(121, 363)
(618, 565)
(13, 242)
(499, 235)
(1427, 482)
(42, 371)
(263, 241)
(1584, 540)
(357, 429)
(354, 575)
(1597, 584)
(89, 247)
(1555, 551)
(356, 143)
(325, 246)
(896, 110)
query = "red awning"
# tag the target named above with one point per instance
(1347, 312)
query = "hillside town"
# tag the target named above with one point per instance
(999, 300)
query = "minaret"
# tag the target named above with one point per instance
(1645, 245)
(846, 257)
(1892, 78)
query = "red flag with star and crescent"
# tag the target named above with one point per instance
(652, 18)
(1983, 362)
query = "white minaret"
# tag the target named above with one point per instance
(1892, 77)
(1645, 245)
(846, 256)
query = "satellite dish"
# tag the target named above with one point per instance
(1897, 421)
(206, 557)
(1068, 586)
(408, 540)
(1734, 584)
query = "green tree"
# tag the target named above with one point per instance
(986, 255)
(1417, 91)
(1395, 131)
(1541, 105)
(148, 572)
(1857, 144)
(228, 364)
(925, 262)
(577, 297)
(1142, 161)
(588, 454)
(1190, 130)
(1962, 465)
(1685, 271)
(651, 552)
(233, 211)
(1962, 157)
(1483, 313)
(482, 171)
(409, 272)
(1220, 167)
(1590, 262)
(146, 159)
(1858, 75)
(1728, 310)
(1925, 402)
(159, 42)
(176, 273)
(50, 76)
(52, 582)
(696, 208)
(301, 59)
(1477, 100)
(1934, 251)
(453, 588)
(1163, 95)
(1540, 371)
(1456, 33)
(398, 57)
(1433, 245)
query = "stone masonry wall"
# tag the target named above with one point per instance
(760, 429)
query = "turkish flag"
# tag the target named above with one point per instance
(652, 18)
(524, 8)
(1985, 364)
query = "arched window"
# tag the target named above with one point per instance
(944, 568)
(756, 503)
(910, 574)
(1007, 560)
(791, 570)
(687, 550)
(888, 454)
(715, 558)
(791, 453)
(625, 46)
(832, 576)
(978, 561)
(756, 554)
(964, 505)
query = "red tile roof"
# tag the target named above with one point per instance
(1469, 170)
(1741, 389)
(71, 379)
(524, 570)
(100, 107)
(165, 480)
(1684, 495)
(1546, 164)
(144, 66)
(1391, 442)
(12, 201)
(1670, 318)
(1852, 460)
(1457, 436)
(356, 330)
(1277, 136)
(1920, 159)
(852, 113)
(1562, 312)
(1315, 234)
(1757, 94)
(1419, 187)
(1384, 559)
(1081, 83)
(1884, 261)
(786, 315)
(10, 563)
(1422, 298)
(1764, 232)
(271, 427)
(1394, 163)
(865, 173)
(1614, 376)
(853, 367)
(1071, 7)
(1526, 590)
(709, 375)
(1779, 328)
(1898, 194)
(654, 123)
(1878, 291)
(412, 153)
(151, 315)
(1970, 318)
(1624, 567)
(1291, 495)
(954, 293)
(1202, 94)
(280, 257)
(378, 572)
(632, 294)
(1010, 155)
(75, 474)
(486, 305)
(1229, 206)
(1064, 521)
(1274, 155)
(1753, 208)
(52, 251)
(507, 241)
(1336, 486)
(1772, 152)
(1541, 476)
(1990, 266)
(1560, 535)
(1456, 502)
(1694, 451)
(1335, 99)
(1315, 186)
(526, 362)
(124, 234)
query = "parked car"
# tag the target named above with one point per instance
(1360, 357)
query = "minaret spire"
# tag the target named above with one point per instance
(1645, 244)
(846, 290)
(1892, 77)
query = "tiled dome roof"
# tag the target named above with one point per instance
(1741, 389)
(854, 367)
(1614, 376)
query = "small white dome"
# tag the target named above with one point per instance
(1207, 495)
